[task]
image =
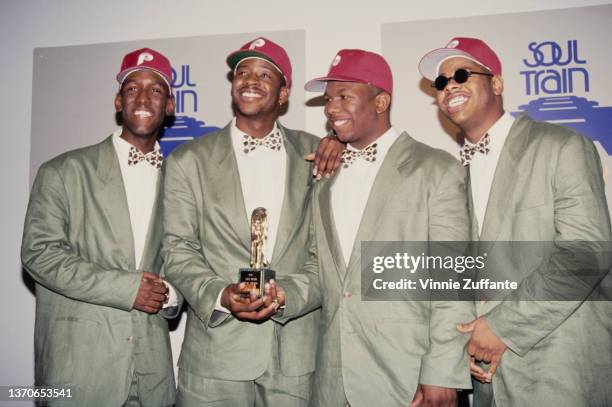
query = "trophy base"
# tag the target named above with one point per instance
(255, 279)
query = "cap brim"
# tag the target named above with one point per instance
(429, 64)
(319, 84)
(235, 57)
(124, 74)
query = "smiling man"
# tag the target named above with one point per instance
(530, 181)
(389, 188)
(91, 242)
(213, 184)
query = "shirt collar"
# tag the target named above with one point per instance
(123, 147)
(383, 143)
(237, 136)
(498, 132)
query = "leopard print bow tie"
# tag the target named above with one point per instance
(469, 150)
(273, 141)
(350, 156)
(155, 157)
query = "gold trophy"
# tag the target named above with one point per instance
(255, 277)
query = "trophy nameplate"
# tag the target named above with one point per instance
(255, 277)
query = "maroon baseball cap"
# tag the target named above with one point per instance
(470, 48)
(146, 58)
(264, 49)
(356, 65)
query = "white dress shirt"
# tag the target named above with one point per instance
(482, 167)
(262, 178)
(140, 183)
(351, 189)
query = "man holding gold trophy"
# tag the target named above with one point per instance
(212, 186)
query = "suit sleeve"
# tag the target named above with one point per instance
(580, 256)
(49, 257)
(302, 289)
(185, 264)
(446, 364)
(169, 312)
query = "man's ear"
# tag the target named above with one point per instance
(283, 96)
(383, 101)
(170, 105)
(497, 82)
(118, 102)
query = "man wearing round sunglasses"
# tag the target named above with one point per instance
(535, 182)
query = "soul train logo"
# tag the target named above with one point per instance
(551, 81)
(184, 127)
(555, 72)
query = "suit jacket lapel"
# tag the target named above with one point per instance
(389, 175)
(504, 180)
(475, 226)
(298, 181)
(153, 238)
(228, 188)
(329, 226)
(112, 198)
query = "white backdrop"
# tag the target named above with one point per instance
(29, 24)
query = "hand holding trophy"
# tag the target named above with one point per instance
(256, 297)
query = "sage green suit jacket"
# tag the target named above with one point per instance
(207, 240)
(548, 187)
(375, 353)
(77, 245)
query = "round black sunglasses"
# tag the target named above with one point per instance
(461, 75)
